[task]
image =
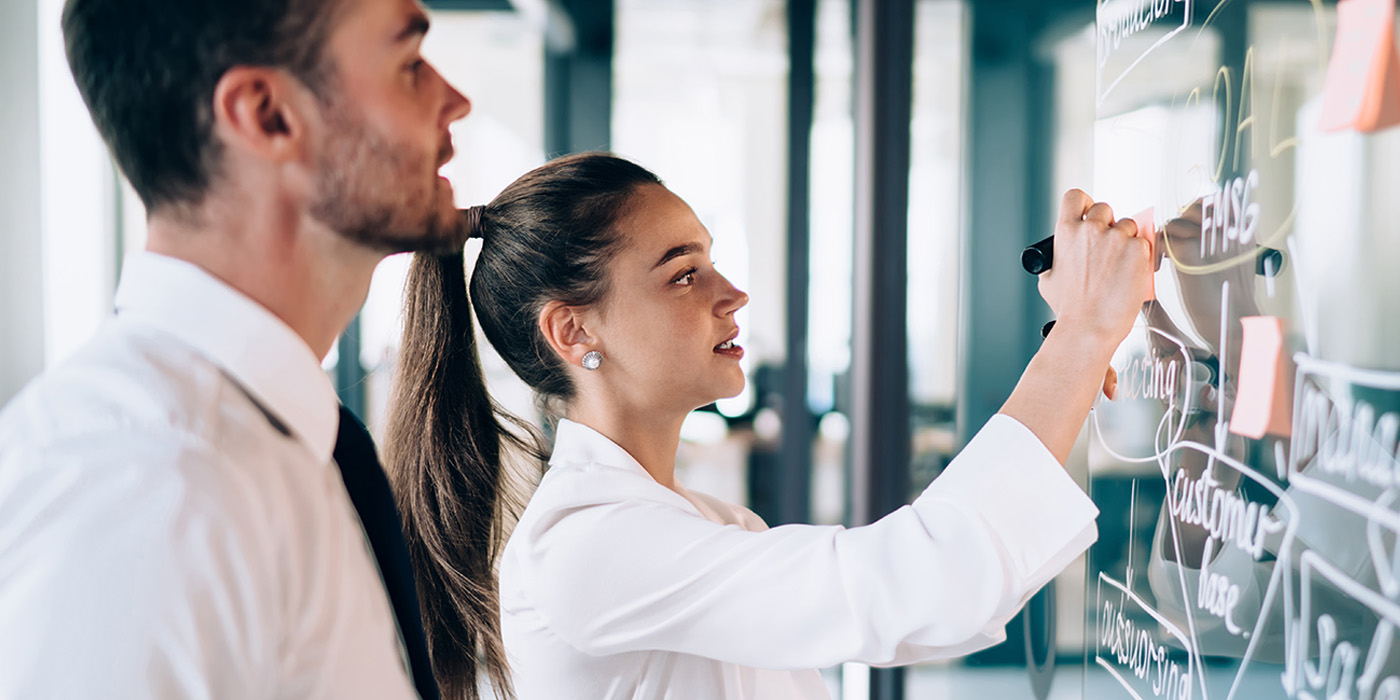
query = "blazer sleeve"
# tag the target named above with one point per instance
(939, 577)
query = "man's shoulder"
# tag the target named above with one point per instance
(130, 531)
(129, 407)
(127, 380)
(116, 445)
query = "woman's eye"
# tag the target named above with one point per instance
(686, 278)
(415, 68)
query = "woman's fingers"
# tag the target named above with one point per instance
(1074, 205)
(1100, 213)
(1128, 227)
(1102, 271)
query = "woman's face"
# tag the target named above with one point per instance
(666, 327)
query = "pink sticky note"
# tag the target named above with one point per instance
(1362, 87)
(1264, 393)
(1147, 228)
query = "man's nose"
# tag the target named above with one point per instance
(458, 106)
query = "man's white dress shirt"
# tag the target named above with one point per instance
(613, 586)
(171, 522)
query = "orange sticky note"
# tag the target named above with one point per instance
(1264, 393)
(1147, 228)
(1362, 88)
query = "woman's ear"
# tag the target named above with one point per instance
(563, 328)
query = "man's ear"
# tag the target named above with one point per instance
(260, 110)
(563, 328)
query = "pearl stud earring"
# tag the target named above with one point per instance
(592, 359)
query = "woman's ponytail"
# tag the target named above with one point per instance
(444, 450)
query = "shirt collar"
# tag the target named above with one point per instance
(248, 342)
(578, 444)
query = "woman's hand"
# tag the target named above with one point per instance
(1101, 275)
(1102, 271)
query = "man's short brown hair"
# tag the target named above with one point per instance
(147, 71)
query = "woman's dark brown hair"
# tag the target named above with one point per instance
(547, 237)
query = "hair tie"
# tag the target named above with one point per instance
(471, 217)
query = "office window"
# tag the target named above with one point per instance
(700, 98)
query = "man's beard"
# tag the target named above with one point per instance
(370, 192)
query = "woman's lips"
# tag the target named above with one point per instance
(730, 349)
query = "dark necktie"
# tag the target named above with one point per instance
(369, 492)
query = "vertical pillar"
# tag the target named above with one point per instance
(21, 259)
(350, 371)
(578, 82)
(997, 325)
(795, 461)
(1010, 98)
(880, 439)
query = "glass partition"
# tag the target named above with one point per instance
(1246, 469)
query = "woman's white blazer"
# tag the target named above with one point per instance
(613, 586)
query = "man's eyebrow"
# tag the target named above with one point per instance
(417, 26)
(677, 252)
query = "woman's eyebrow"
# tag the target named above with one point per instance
(678, 251)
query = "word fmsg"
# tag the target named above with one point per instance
(1229, 215)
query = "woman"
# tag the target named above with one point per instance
(594, 283)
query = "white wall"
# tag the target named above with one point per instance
(21, 282)
(77, 194)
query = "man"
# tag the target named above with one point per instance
(172, 523)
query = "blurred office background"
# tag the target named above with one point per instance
(869, 169)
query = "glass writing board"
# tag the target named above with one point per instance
(1247, 471)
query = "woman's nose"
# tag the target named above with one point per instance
(732, 299)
